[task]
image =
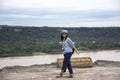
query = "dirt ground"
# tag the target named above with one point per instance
(101, 71)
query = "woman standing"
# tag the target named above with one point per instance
(68, 49)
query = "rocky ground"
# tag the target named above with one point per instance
(102, 70)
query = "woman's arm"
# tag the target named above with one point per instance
(71, 43)
(76, 49)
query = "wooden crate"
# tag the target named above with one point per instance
(77, 62)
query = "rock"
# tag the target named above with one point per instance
(106, 63)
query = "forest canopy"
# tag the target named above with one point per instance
(25, 40)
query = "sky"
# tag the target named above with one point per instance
(60, 13)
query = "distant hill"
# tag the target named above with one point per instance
(23, 40)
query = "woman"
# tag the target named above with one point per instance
(67, 47)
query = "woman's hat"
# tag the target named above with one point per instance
(64, 31)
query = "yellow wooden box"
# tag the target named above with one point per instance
(77, 62)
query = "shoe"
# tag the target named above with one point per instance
(70, 76)
(61, 75)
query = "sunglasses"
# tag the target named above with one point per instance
(64, 33)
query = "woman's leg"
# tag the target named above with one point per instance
(65, 63)
(64, 66)
(69, 64)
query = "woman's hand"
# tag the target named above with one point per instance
(77, 52)
(62, 49)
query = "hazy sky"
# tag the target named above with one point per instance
(67, 13)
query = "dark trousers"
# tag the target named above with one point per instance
(67, 63)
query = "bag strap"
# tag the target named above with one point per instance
(69, 44)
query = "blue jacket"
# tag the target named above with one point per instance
(67, 45)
